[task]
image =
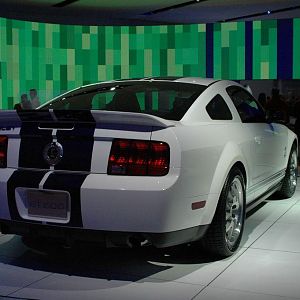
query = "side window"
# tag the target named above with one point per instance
(248, 108)
(218, 109)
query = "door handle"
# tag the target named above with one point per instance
(258, 139)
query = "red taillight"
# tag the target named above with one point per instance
(3, 151)
(138, 158)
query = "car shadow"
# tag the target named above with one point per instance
(94, 261)
(91, 260)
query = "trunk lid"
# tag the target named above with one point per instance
(85, 137)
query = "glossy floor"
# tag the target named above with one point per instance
(267, 266)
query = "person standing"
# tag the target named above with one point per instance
(277, 107)
(18, 107)
(262, 99)
(25, 103)
(35, 101)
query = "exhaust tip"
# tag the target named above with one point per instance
(137, 241)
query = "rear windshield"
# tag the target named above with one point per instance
(168, 100)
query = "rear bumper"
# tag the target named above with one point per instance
(129, 239)
(104, 203)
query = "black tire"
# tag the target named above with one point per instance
(217, 241)
(289, 182)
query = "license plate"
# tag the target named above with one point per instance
(51, 204)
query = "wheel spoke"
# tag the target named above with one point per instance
(236, 203)
(229, 229)
(233, 190)
(228, 215)
(234, 211)
(229, 197)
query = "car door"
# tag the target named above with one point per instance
(278, 141)
(268, 142)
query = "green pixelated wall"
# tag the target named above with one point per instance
(265, 49)
(296, 50)
(229, 50)
(54, 58)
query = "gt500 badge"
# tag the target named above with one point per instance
(53, 153)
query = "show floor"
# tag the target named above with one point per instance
(267, 266)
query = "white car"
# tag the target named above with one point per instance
(164, 161)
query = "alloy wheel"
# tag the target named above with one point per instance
(293, 169)
(234, 212)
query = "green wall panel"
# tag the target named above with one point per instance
(229, 50)
(54, 58)
(296, 50)
(265, 49)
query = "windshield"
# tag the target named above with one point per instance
(168, 100)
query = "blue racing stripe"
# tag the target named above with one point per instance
(21, 178)
(33, 140)
(71, 183)
(77, 143)
(77, 147)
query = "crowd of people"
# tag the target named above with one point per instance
(28, 103)
(282, 108)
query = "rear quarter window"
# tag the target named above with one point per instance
(217, 109)
(247, 107)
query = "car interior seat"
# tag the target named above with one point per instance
(125, 101)
(80, 102)
(180, 106)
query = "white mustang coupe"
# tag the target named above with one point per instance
(164, 161)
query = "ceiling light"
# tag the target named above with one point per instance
(176, 6)
(64, 3)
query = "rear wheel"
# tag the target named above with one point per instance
(225, 232)
(290, 180)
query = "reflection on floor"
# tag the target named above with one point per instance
(267, 266)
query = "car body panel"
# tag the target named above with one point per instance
(202, 153)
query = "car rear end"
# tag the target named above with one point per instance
(92, 174)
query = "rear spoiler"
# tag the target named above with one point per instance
(8, 119)
(129, 118)
(11, 118)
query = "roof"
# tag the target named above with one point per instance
(197, 80)
(194, 80)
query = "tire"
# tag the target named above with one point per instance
(225, 232)
(289, 183)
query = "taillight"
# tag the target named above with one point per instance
(138, 158)
(3, 151)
